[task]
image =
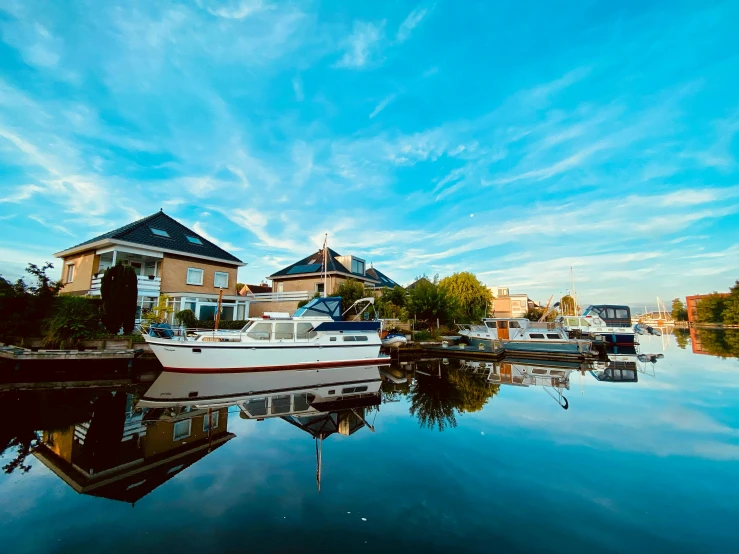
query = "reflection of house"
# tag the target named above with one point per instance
(168, 258)
(509, 305)
(304, 278)
(691, 303)
(123, 454)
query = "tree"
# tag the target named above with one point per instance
(679, 313)
(730, 314)
(534, 314)
(710, 309)
(119, 291)
(350, 291)
(428, 302)
(471, 298)
(567, 305)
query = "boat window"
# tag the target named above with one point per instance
(348, 338)
(350, 390)
(300, 402)
(539, 371)
(536, 335)
(514, 325)
(256, 406)
(361, 338)
(281, 404)
(490, 324)
(283, 330)
(260, 331)
(611, 313)
(332, 339)
(553, 336)
(305, 331)
(248, 324)
(502, 325)
(622, 314)
(558, 373)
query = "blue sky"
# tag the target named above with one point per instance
(512, 140)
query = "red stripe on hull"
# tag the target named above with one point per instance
(373, 361)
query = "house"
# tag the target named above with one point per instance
(509, 305)
(305, 278)
(168, 258)
(691, 303)
(123, 453)
(248, 290)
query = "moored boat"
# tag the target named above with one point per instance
(522, 335)
(314, 335)
(610, 323)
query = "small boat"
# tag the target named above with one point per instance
(610, 323)
(394, 339)
(314, 336)
(522, 335)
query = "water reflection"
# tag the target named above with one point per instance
(723, 343)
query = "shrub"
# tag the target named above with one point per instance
(186, 318)
(72, 320)
(422, 335)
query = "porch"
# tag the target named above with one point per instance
(146, 264)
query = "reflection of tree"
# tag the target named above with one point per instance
(681, 337)
(722, 343)
(435, 400)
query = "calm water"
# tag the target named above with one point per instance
(459, 460)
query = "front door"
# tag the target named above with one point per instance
(503, 330)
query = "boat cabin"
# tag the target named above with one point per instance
(613, 316)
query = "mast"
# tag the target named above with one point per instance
(325, 263)
(572, 288)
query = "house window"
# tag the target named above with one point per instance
(193, 240)
(357, 266)
(194, 276)
(280, 287)
(221, 280)
(159, 232)
(213, 422)
(319, 288)
(182, 429)
(70, 273)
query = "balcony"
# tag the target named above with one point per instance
(293, 296)
(146, 286)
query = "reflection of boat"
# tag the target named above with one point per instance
(610, 323)
(522, 335)
(313, 336)
(553, 376)
(266, 394)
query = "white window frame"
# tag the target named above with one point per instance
(202, 275)
(175, 437)
(215, 279)
(70, 269)
(213, 421)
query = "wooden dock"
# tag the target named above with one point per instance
(493, 352)
(18, 355)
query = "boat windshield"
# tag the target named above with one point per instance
(321, 307)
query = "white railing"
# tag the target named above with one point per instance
(145, 284)
(280, 296)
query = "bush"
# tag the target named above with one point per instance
(186, 318)
(72, 320)
(422, 335)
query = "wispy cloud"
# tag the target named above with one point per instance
(382, 105)
(361, 47)
(410, 23)
(234, 10)
(298, 89)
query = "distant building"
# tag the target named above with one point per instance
(305, 278)
(415, 283)
(263, 288)
(168, 258)
(509, 305)
(691, 303)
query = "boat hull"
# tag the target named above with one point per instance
(204, 357)
(546, 347)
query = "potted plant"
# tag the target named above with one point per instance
(151, 276)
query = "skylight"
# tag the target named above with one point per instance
(159, 232)
(194, 240)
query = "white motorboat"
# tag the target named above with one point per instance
(314, 335)
(610, 323)
(522, 335)
(394, 340)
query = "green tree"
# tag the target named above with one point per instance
(119, 291)
(471, 298)
(429, 302)
(710, 309)
(350, 291)
(567, 305)
(679, 313)
(730, 314)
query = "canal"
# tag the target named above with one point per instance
(639, 455)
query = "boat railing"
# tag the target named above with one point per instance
(191, 333)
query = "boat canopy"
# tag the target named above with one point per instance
(321, 307)
(617, 316)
